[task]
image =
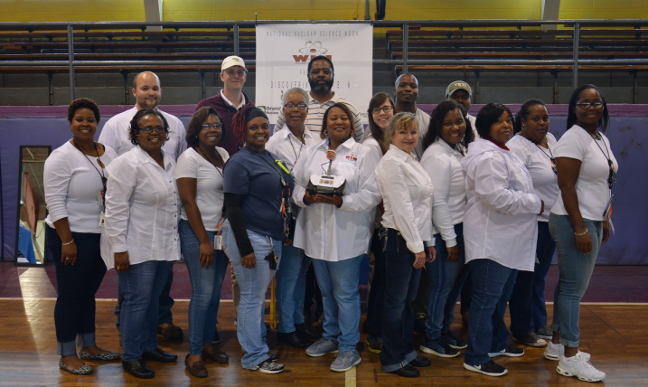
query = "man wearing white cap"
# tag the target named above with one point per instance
(460, 91)
(231, 98)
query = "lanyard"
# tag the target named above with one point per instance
(101, 174)
(285, 191)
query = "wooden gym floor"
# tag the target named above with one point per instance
(614, 334)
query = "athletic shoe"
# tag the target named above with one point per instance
(510, 351)
(454, 342)
(544, 332)
(345, 361)
(420, 361)
(579, 367)
(269, 367)
(322, 347)
(489, 368)
(436, 347)
(555, 351)
(531, 339)
(375, 344)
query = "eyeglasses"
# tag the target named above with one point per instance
(215, 125)
(385, 109)
(232, 73)
(300, 106)
(149, 129)
(587, 105)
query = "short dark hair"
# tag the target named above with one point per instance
(436, 123)
(487, 116)
(195, 125)
(524, 112)
(603, 123)
(83, 103)
(319, 57)
(377, 133)
(134, 129)
(345, 108)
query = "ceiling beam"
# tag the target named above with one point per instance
(153, 12)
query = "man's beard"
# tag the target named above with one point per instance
(319, 88)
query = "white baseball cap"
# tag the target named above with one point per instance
(232, 61)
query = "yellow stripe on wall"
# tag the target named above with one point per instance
(218, 10)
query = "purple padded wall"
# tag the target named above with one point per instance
(627, 133)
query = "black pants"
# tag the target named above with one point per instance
(77, 284)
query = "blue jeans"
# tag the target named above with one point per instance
(141, 286)
(206, 286)
(339, 282)
(251, 329)
(291, 287)
(527, 304)
(74, 312)
(492, 287)
(401, 285)
(575, 272)
(444, 276)
(165, 303)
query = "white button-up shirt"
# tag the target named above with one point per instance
(422, 122)
(500, 220)
(443, 165)
(288, 148)
(316, 112)
(323, 230)
(406, 191)
(538, 162)
(115, 134)
(142, 209)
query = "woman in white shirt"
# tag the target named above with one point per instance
(580, 222)
(534, 145)
(406, 235)
(445, 145)
(500, 233)
(289, 145)
(380, 112)
(75, 181)
(199, 176)
(334, 230)
(142, 208)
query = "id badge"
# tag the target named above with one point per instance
(218, 242)
(102, 219)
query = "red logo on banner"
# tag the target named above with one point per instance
(311, 50)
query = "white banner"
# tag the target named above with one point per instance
(284, 50)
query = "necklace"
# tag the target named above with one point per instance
(206, 157)
(301, 146)
(612, 177)
(551, 157)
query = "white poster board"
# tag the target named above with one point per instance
(284, 50)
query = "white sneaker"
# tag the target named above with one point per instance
(579, 367)
(555, 351)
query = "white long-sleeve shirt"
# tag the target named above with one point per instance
(115, 133)
(407, 192)
(316, 112)
(72, 187)
(443, 165)
(288, 148)
(323, 230)
(538, 162)
(500, 220)
(142, 209)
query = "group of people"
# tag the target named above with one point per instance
(446, 204)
